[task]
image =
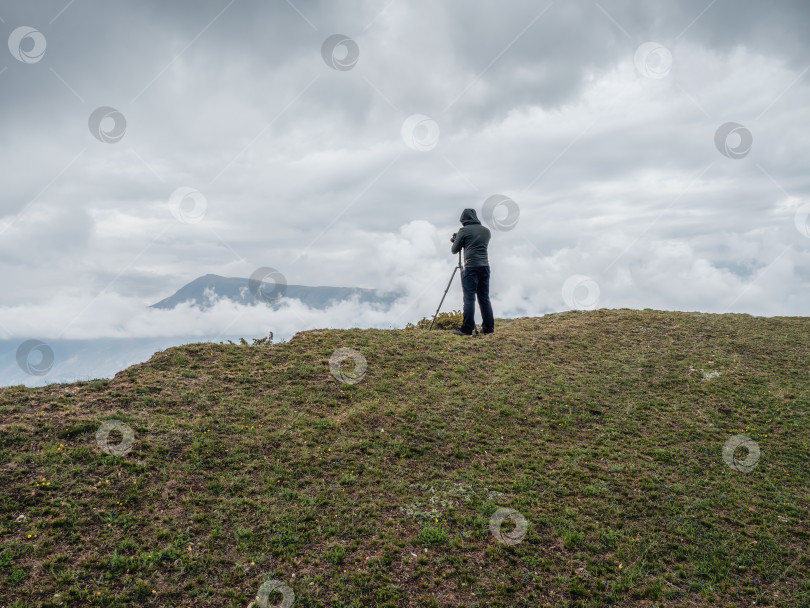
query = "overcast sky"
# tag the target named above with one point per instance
(244, 134)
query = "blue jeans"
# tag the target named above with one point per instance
(475, 281)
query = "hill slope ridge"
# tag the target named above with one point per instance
(573, 459)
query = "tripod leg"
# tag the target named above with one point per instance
(452, 276)
(450, 282)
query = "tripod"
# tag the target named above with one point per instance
(452, 276)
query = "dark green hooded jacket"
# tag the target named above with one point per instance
(474, 238)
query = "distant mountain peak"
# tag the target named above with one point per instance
(203, 291)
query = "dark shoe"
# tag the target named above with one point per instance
(458, 332)
(488, 332)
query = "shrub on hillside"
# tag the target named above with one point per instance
(444, 320)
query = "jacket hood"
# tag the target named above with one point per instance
(468, 216)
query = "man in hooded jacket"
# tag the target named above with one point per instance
(474, 238)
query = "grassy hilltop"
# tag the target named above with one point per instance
(604, 430)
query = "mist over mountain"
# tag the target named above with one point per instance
(206, 290)
(88, 359)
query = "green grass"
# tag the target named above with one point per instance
(604, 430)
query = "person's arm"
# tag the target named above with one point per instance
(458, 242)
